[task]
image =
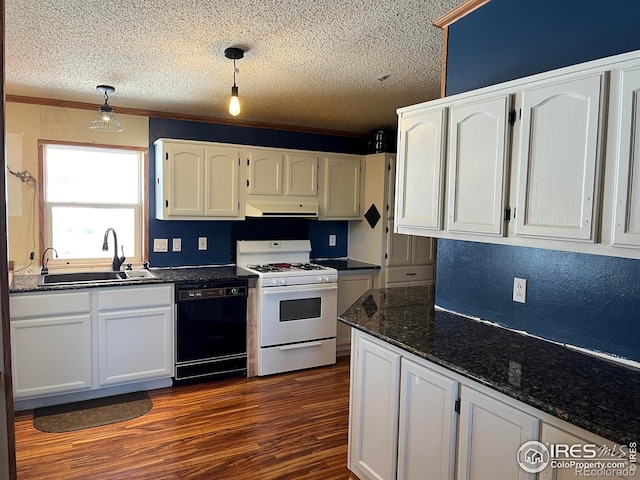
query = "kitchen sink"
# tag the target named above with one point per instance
(93, 277)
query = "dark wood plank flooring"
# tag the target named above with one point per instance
(287, 426)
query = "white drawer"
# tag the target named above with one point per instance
(135, 296)
(297, 356)
(42, 304)
(410, 273)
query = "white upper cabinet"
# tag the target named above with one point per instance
(546, 161)
(301, 174)
(278, 173)
(478, 157)
(197, 181)
(560, 158)
(341, 187)
(265, 172)
(420, 169)
(222, 195)
(625, 117)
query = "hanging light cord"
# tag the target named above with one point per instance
(234, 72)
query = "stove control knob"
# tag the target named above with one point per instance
(282, 282)
(234, 291)
(319, 279)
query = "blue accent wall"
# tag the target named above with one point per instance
(589, 301)
(222, 235)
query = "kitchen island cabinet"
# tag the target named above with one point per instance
(512, 388)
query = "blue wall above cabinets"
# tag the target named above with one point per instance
(222, 235)
(585, 300)
(508, 39)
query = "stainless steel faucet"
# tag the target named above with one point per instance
(117, 261)
(45, 260)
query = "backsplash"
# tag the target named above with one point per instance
(222, 235)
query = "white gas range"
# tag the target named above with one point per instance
(296, 305)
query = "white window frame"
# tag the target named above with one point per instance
(140, 210)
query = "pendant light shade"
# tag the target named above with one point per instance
(234, 103)
(106, 120)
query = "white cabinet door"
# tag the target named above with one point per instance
(341, 188)
(51, 355)
(301, 175)
(222, 197)
(351, 286)
(265, 172)
(552, 435)
(423, 250)
(490, 435)
(420, 169)
(478, 158)
(185, 189)
(135, 345)
(427, 432)
(560, 157)
(373, 430)
(625, 86)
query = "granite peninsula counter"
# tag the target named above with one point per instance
(591, 392)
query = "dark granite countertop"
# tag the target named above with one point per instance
(594, 393)
(29, 283)
(342, 264)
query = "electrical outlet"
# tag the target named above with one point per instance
(519, 290)
(160, 245)
(202, 243)
(515, 373)
(176, 245)
(332, 240)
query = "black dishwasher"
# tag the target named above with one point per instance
(211, 329)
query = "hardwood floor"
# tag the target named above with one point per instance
(287, 426)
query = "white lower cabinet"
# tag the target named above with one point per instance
(51, 355)
(72, 341)
(584, 446)
(50, 343)
(373, 413)
(427, 428)
(351, 286)
(404, 425)
(134, 345)
(491, 432)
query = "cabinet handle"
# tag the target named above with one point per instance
(410, 274)
(302, 345)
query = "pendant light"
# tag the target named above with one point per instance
(106, 120)
(234, 54)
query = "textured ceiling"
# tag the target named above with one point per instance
(310, 63)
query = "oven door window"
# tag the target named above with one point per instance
(300, 309)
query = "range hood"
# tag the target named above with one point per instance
(281, 209)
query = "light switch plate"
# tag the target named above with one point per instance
(177, 245)
(202, 243)
(332, 240)
(160, 245)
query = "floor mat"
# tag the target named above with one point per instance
(91, 413)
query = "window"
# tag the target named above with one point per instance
(86, 189)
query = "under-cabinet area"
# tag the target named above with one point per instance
(544, 161)
(82, 341)
(437, 395)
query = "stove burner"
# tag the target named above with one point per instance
(285, 267)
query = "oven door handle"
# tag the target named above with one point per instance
(297, 346)
(300, 288)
